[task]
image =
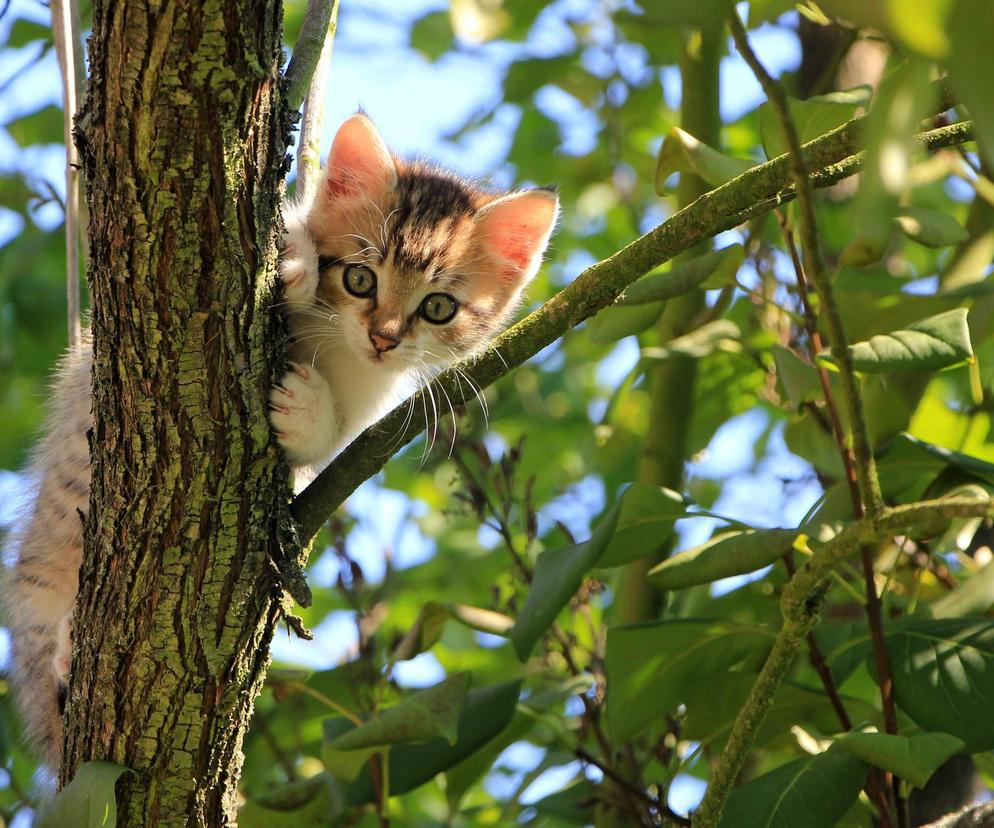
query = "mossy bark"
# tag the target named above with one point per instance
(183, 141)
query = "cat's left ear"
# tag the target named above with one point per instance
(359, 164)
(515, 230)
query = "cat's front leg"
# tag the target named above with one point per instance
(298, 261)
(303, 416)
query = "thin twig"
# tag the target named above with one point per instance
(307, 50)
(312, 116)
(753, 193)
(868, 497)
(65, 29)
(815, 267)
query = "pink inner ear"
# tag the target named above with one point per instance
(516, 229)
(359, 163)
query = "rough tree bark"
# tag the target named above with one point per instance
(183, 139)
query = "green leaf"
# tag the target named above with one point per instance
(914, 758)
(727, 554)
(929, 345)
(971, 31)
(973, 596)
(26, 31)
(814, 792)
(798, 377)
(575, 804)
(931, 228)
(420, 717)
(430, 623)
(644, 523)
(653, 668)
(687, 13)
(618, 321)
(87, 801)
(310, 803)
(485, 714)
(720, 334)
(922, 25)
(813, 117)
(432, 34)
(682, 152)
(558, 575)
(943, 676)
(41, 127)
(712, 270)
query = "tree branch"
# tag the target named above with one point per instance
(312, 116)
(800, 604)
(307, 50)
(756, 191)
(65, 31)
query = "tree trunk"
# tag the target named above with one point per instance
(183, 142)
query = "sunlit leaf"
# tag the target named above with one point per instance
(942, 670)
(558, 575)
(930, 227)
(644, 524)
(653, 668)
(485, 714)
(618, 321)
(430, 623)
(971, 31)
(812, 117)
(721, 334)
(929, 345)
(914, 758)
(88, 800)
(727, 554)
(423, 715)
(682, 152)
(711, 270)
(814, 792)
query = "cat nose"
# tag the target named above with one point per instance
(383, 343)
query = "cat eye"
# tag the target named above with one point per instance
(359, 280)
(439, 308)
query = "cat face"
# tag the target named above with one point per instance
(418, 267)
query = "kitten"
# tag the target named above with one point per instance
(392, 271)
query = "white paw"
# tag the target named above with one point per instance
(303, 417)
(62, 657)
(298, 261)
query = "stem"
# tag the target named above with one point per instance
(307, 50)
(788, 641)
(312, 116)
(869, 485)
(65, 29)
(753, 193)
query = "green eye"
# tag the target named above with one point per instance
(439, 308)
(359, 280)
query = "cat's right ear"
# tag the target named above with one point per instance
(359, 164)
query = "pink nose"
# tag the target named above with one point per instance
(382, 343)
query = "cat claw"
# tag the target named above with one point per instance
(302, 415)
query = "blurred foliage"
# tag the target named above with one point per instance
(525, 514)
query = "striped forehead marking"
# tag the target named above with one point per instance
(428, 205)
